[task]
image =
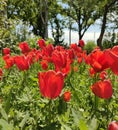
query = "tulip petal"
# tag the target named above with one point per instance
(102, 89)
(51, 83)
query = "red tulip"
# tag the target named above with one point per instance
(76, 48)
(41, 43)
(73, 46)
(59, 48)
(9, 62)
(59, 58)
(66, 69)
(71, 54)
(80, 59)
(44, 64)
(67, 96)
(24, 47)
(47, 51)
(81, 43)
(92, 72)
(112, 58)
(31, 57)
(51, 83)
(38, 55)
(61, 61)
(103, 75)
(113, 125)
(97, 60)
(6, 51)
(102, 89)
(22, 62)
(1, 73)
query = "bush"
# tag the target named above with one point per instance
(89, 46)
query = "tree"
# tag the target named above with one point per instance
(36, 12)
(3, 19)
(84, 13)
(57, 30)
(5, 25)
(106, 9)
(33, 11)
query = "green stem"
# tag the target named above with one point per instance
(23, 83)
(107, 111)
(4, 80)
(96, 104)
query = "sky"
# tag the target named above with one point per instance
(92, 34)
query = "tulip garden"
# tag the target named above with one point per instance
(55, 88)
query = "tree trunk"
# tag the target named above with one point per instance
(41, 26)
(99, 40)
(79, 24)
(106, 9)
(46, 19)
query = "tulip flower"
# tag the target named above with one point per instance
(44, 64)
(21, 62)
(113, 125)
(97, 60)
(51, 83)
(102, 89)
(92, 72)
(41, 43)
(73, 46)
(103, 75)
(9, 62)
(59, 58)
(24, 47)
(47, 51)
(61, 61)
(112, 58)
(67, 96)
(1, 73)
(81, 43)
(6, 51)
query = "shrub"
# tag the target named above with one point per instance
(89, 46)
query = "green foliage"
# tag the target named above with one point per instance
(57, 30)
(8, 37)
(4, 33)
(106, 44)
(37, 13)
(89, 46)
(80, 13)
(23, 107)
(110, 40)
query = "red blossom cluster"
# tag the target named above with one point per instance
(51, 82)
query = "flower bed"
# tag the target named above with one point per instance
(55, 88)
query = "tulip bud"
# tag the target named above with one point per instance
(67, 96)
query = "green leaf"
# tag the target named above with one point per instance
(65, 127)
(22, 124)
(82, 125)
(3, 113)
(76, 116)
(5, 126)
(93, 124)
